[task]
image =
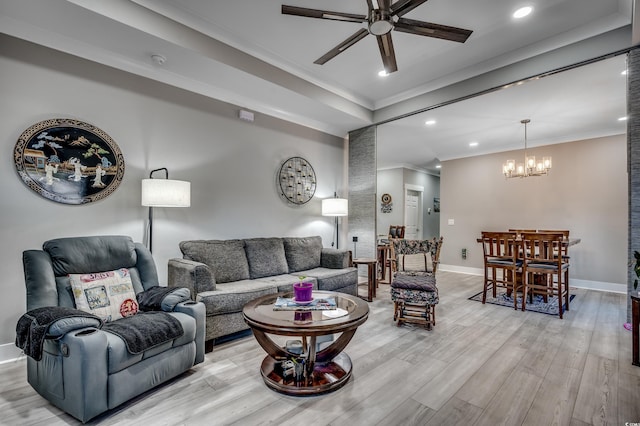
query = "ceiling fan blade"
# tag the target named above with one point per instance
(388, 54)
(429, 29)
(402, 7)
(359, 35)
(322, 14)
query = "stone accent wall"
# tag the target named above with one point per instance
(362, 191)
(633, 162)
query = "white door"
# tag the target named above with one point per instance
(412, 215)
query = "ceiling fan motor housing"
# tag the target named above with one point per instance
(380, 22)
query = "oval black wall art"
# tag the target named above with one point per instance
(68, 161)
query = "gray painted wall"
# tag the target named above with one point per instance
(590, 201)
(431, 185)
(231, 164)
(392, 181)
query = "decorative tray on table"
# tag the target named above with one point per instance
(317, 304)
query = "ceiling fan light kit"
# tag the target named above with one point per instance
(380, 22)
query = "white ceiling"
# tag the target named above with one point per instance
(247, 53)
(582, 103)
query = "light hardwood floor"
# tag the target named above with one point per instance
(481, 365)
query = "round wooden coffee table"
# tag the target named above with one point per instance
(323, 371)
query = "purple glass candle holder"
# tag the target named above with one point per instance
(302, 292)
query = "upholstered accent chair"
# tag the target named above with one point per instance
(74, 362)
(413, 287)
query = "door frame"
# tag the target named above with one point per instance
(420, 190)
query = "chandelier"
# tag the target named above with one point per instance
(530, 167)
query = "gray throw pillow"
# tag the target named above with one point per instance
(266, 257)
(226, 258)
(303, 253)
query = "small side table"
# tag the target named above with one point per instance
(635, 323)
(372, 275)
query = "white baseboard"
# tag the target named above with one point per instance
(578, 283)
(461, 269)
(599, 286)
(9, 352)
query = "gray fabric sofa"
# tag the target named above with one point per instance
(83, 369)
(226, 274)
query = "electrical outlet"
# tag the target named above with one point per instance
(464, 253)
(355, 239)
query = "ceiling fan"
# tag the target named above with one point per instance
(380, 22)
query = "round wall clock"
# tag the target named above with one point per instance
(297, 180)
(386, 199)
(68, 161)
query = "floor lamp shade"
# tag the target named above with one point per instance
(166, 193)
(335, 207)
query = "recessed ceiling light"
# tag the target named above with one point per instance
(522, 12)
(473, 143)
(438, 166)
(430, 122)
(383, 73)
(622, 119)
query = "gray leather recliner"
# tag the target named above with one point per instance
(88, 371)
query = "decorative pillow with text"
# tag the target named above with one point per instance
(108, 295)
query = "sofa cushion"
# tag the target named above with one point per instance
(265, 257)
(226, 258)
(302, 253)
(334, 258)
(284, 283)
(342, 280)
(231, 297)
(84, 255)
(120, 358)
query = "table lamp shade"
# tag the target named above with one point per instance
(166, 193)
(335, 207)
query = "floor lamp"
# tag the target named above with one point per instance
(163, 193)
(335, 207)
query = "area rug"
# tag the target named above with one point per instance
(538, 305)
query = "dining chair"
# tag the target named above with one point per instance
(520, 231)
(502, 264)
(396, 231)
(545, 267)
(565, 237)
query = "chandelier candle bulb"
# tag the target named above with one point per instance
(531, 162)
